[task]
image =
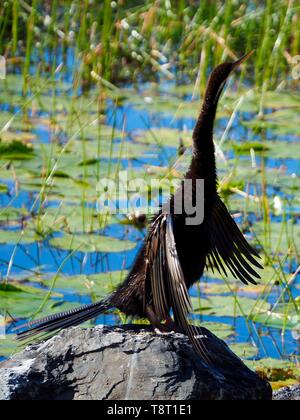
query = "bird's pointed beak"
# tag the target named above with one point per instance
(243, 59)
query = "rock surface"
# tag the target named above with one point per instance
(128, 363)
(288, 394)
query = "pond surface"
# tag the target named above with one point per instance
(57, 252)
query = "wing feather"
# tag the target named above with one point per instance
(180, 299)
(229, 247)
(168, 286)
(156, 266)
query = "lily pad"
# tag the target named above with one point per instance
(124, 150)
(217, 288)
(20, 304)
(9, 346)
(228, 306)
(252, 99)
(221, 330)
(11, 214)
(11, 237)
(165, 137)
(278, 320)
(279, 373)
(15, 150)
(282, 121)
(244, 350)
(274, 149)
(71, 219)
(245, 148)
(166, 105)
(284, 237)
(284, 316)
(16, 287)
(91, 243)
(99, 285)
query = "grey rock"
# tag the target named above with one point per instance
(129, 363)
(291, 393)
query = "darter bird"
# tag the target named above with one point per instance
(175, 254)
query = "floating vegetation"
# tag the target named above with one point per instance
(98, 284)
(280, 373)
(11, 215)
(244, 350)
(229, 306)
(91, 243)
(19, 237)
(15, 150)
(221, 330)
(164, 137)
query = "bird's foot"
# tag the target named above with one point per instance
(172, 327)
(168, 327)
(162, 329)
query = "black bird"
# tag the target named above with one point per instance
(175, 254)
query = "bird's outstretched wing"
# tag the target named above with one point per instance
(167, 282)
(229, 249)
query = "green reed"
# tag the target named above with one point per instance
(123, 40)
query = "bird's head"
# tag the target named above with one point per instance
(220, 76)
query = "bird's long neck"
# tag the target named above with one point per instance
(203, 164)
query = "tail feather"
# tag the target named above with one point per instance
(63, 320)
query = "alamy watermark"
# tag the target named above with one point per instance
(2, 68)
(126, 196)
